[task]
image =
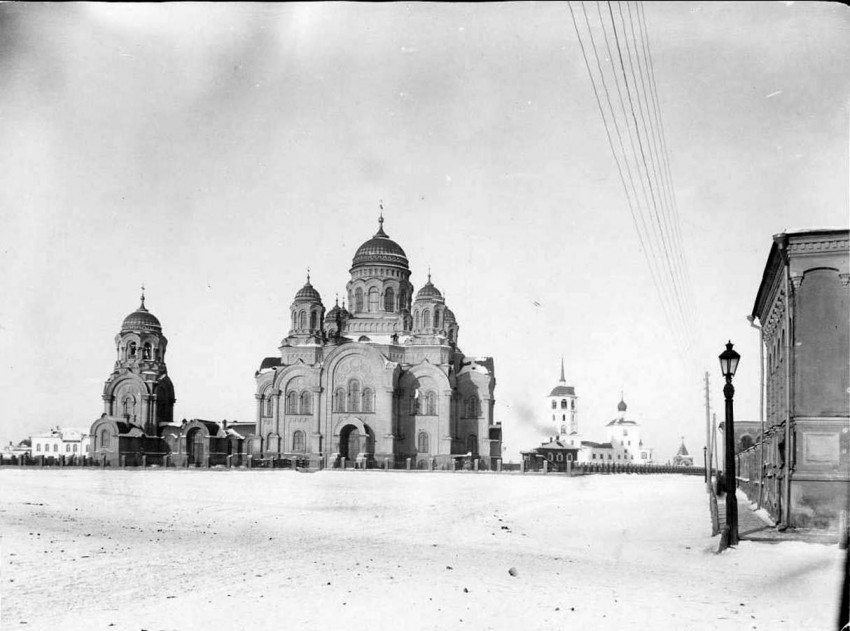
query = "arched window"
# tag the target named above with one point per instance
(402, 300)
(132, 349)
(472, 407)
(368, 400)
(472, 444)
(292, 403)
(146, 351)
(339, 400)
(426, 319)
(408, 323)
(269, 404)
(374, 299)
(431, 403)
(414, 403)
(314, 320)
(563, 404)
(436, 318)
(573, 404)
(560, 457)
(422, 441)
(104, 438)
(353, 396)
(416, 321)
(299, 445)
(358, 300)
(306, 400)
(563, 429)
(302, 323)
(563, 417)
(389, 299)
(294, 320)
(554, 405)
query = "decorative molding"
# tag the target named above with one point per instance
(845, 279)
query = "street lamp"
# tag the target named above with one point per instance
(728, 365)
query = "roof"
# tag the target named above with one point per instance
(620, 421)
(588, 443)
(380, 249)
(559, 391)
(141, 320)
(683, 451)
(770, 275)
(555, 444)
(308, 293)
(270, 362)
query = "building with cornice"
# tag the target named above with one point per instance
(379, 382)
(799, 466)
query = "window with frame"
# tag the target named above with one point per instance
(389, 300)
(299, 443)
(563, 404)
(55, 446)
(554, 405)
(353, 396)
(422, 443)
(368, 400)
(374, 299)
(292, 402)
(38, 446)
(67, 448)
(306, 402)
(431, 403)
(269, 404)
(339, 400)
(426, 319)
(358, 300)
(472, 444)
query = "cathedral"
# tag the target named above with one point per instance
(383, 384)
(379, 382)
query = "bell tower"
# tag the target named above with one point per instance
(139, 390)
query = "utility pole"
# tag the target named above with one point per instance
(707, 436)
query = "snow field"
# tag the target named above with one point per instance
(193, 549)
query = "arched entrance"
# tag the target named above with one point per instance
(195, 448)
(350, 442)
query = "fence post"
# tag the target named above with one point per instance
(499, 465)
(475, 465)
(407, 463)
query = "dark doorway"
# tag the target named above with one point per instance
(195, 448)
(349, 443)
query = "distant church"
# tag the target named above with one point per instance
(623, 444)
(385, 381)
(380, 384)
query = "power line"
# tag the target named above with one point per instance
(626, 176)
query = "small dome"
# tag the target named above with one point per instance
(621, 406)
(381, 250)
(449, 316)
(559, 391)
(308, 292)
(429, 291)
(141, 320)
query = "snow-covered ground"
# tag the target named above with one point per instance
(88, 549)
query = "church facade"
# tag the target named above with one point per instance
(379, 382)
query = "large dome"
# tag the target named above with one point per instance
(381, 250)
(308, 292)
(141, 320)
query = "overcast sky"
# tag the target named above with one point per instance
(213, 152)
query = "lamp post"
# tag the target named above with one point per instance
(728, 365)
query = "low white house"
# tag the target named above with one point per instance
(624, 444)
(69, 441)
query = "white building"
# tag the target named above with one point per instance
(69, 441)
(624, 437)
(562, 409)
